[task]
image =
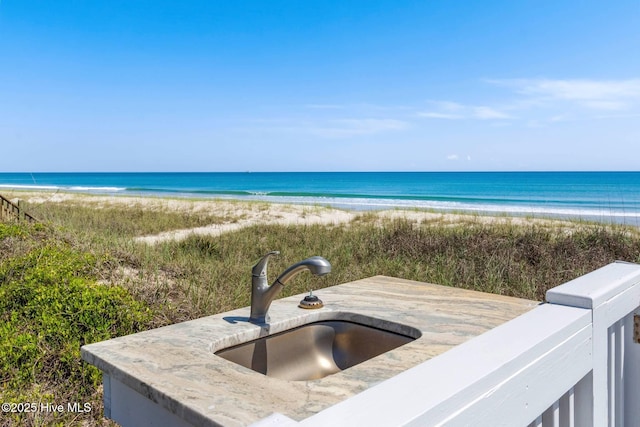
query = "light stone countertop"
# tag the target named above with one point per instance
(175, 367)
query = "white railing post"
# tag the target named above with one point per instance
(631, 411)
(600, 371)
(611, 293)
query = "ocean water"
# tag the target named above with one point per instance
(612, 197)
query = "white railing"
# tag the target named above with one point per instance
(612, 294)
(571, 362)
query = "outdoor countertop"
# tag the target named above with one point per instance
(175, 366)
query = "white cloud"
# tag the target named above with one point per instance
(450, 106)
(452, 157)
(455, 111)
(347, 127)
(539, 102)
(585, 89)
(436, 115)
(332, 128)
(591, 94)
(488, 113)
(606, 105)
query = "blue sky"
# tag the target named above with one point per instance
(141, 85)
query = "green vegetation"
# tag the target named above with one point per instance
(112, 221)
(202, 275)
(50, 305)
(83, 279)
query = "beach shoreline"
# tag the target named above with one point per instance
(245, 213)
(603, 197)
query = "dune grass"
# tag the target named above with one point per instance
(203, 275)
(90, 255)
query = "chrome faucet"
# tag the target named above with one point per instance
(262, 294)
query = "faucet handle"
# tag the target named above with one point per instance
(260, 269)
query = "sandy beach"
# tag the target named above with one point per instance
(236, 214)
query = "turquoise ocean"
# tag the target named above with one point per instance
(611, 197)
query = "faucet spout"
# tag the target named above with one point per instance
(262, 294)
(316, 265)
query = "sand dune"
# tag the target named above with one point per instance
(235, 215)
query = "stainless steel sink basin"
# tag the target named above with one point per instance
(314, 350)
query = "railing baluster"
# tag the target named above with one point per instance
(551, 417)
(619, 372)
(571, 400)
(555, 408)
(611, 374)
(567, 409)
(631, 372)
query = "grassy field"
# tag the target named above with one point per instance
(81, 278)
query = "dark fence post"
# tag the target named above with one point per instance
(9, 210)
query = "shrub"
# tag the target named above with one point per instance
(51, 305)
